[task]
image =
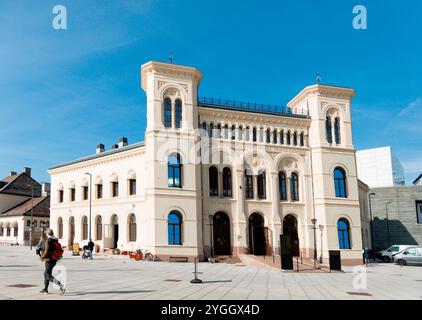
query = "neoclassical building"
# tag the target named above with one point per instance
(217, 177)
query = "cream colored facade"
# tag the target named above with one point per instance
(203, 234)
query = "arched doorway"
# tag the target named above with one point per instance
(115, 230)
(290, 231)
(257, 244)
(221, 234)
(71, 231)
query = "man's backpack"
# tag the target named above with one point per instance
(56, 251)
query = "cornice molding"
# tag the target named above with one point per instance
(250, 118)
(322, 90)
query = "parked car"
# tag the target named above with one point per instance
(387, 254)
(410, 255)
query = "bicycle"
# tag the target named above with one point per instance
(148, 256)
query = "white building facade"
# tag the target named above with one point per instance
(216, 178)
(379, 167)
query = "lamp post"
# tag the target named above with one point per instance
(321, 228)
(32, 216)
(388, 226)
(90, 202)
(371, 220)
(314, 221)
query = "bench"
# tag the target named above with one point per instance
(178, 259)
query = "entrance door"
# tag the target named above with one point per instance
(115, 235)
(290, 231)
(221, 234)
(115, 228)
(257, 244)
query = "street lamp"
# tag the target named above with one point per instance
(371, 220)
(90, 202)
(321, 228)
(32, 215)
(314, 221)
(388, 226)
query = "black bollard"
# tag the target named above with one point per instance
(196, 280)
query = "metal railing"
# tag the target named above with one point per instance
(248, 106)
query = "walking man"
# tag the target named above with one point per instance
(51, 253)
(90, 248)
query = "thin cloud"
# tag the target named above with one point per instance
(415, 105)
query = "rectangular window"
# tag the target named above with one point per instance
(99, 191)
(72, 194)
(85, 193)
(114, 189)
(248, 186)
(419, 212)
(132, 187)
(60, 196)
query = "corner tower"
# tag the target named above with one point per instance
(332, 154)
(173, 181)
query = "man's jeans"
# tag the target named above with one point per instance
(90, 254)
(48, 274)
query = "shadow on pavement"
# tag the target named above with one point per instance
(109, 292)
(216, 281)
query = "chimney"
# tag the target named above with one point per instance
(45, 189)
(13, 173)
(100, 148)
(27, 171)
(122, 142)
(114, 146)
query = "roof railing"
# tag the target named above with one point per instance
(248, 106)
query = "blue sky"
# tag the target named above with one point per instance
(62, 92)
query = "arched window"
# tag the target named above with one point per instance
(295, 138)
(268, 136)
(167, 113)
(340, 183)
(227, 182)
(213, 176)
(240, 133)
(343, 230)
(288, 138)
(204, 129)
(233, 132)
(99, 228)
(132, 228)
(219, 131)
(248, 184)
(282, 186)
(275, 137)
(302, 139)
(178, 113)
(2, 229)
(281, 137)
(174, 228)
(211, 133)
(328, 132)
(84, 228)
(60, 228)
(247, 133)
(261, 185)
(294, 187)
(16, 228)
(28, 223)
(337, 130)
(174, 171)
(226, 132)
(254, 134)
